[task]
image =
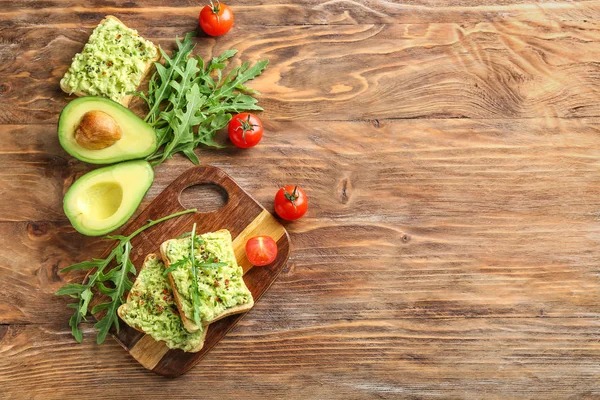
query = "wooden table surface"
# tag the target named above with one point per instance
(451, 152)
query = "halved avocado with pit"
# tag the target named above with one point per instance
(100, 131)
(102, 200)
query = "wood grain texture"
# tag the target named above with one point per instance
(466, 205)
(505, 69)
(183, 13)
(389, 359)
(449, 168)
(450, 151)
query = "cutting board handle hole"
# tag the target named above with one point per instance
(205, 197)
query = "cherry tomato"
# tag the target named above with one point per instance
(291, 202)
(245, 130)
(261, 250)
(216, 19)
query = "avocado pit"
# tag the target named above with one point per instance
(97, 130)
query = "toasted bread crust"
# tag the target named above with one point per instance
(127, 99)
(122, 310)
(189, 324)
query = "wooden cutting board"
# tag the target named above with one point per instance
(242, 216)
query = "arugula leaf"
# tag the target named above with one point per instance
(188, 76)
(239, 76)
(118, 277)
(74, 322)
(161, 90)
(86, 296)
(100, 307)
(185, 260)
(212, 265)
(84, 265)
(176, 264)
(195, 297)
(189, 100)
(191, 259)
(71, 289)
(182, 123)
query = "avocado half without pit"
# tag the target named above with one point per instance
(102, 200)
(100, 131)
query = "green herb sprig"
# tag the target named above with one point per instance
(118, 276)
(209, 264)
(195, 294)
(194, 265)
(184, 261)
(190, 100)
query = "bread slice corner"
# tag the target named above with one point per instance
(127, 99)
(189, 324)
(122, 310)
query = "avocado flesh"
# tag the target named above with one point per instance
(138, 138)
(104, 199)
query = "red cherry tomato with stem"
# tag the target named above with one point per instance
(216, 19)
(245, 130)
(291, 202)
(261, 250)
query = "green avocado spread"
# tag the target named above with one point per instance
(152, 309)
(112, 62)
(220, 288)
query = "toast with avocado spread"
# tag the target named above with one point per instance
(150, 308)
(222, 289)
(113, 62)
